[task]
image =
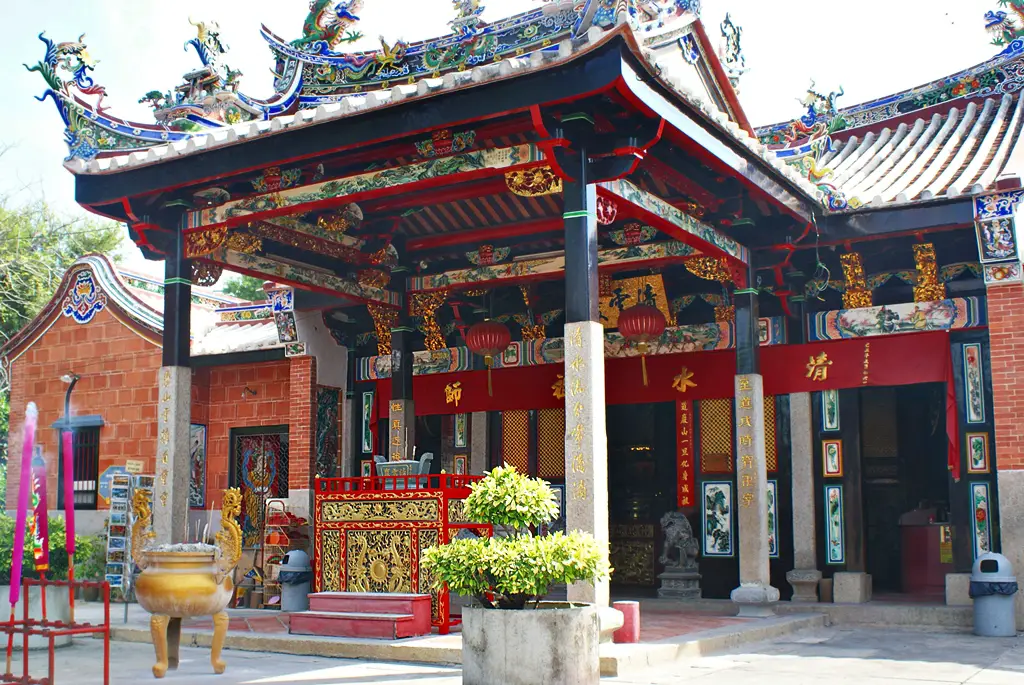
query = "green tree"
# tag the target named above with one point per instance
(245, 288)
(37, 245)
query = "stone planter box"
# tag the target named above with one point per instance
(58, 608)
(555, 644)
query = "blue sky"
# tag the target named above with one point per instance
(868, 47)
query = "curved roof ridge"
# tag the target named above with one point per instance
(993, 76)
(983, 151)
(915, 156)
(112, 291)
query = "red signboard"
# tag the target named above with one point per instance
(685, 472)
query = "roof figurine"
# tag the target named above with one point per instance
(328, 25)
(731, 51)
(1004, 27)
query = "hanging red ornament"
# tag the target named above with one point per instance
(488, 339)
(641, 324)
(606, 211)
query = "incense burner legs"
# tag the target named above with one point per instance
(186, 581)
(220, 633)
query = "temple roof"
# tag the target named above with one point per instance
(220, 324)
(949, 138)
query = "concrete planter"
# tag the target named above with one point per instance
(555, 644)
(58, 608)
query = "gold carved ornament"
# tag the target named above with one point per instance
(199, 243)
(379, 561)
(856, 294)
(229, 539)
(141, 533)
(205, 274)
(425, 306)
(928, 288)
(375, 279)
(708, 268)
(725, 313)
(244, 243)
(533, 182)
(558, 387)
(384, 319)
(330, 561)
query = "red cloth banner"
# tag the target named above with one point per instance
(40, 525)
(685, 470)
(902, 359)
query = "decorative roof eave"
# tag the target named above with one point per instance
(142, 318)
(940, 91)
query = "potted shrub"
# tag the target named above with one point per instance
(511, 636)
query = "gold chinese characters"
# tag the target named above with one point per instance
(453, 393)
(817, 367)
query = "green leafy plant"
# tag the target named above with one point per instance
(58, 554)
(514, 569)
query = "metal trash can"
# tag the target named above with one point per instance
(295, 575)
(993, 589)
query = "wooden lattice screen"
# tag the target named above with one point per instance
(551, 443)
(515, 439)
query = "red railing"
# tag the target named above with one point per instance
(445, 482)
(51, 630)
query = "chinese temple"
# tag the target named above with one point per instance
(555, 241)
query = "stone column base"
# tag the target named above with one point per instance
(851, 588)
(957, 590)
(805, 584)
(676, 584)
(755, 600)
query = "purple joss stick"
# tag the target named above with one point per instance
(25, 488)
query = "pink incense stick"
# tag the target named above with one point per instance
(67, 447)
(24, 490)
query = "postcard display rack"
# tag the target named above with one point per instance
(119, 567)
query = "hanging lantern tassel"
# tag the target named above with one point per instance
(641, 324)
(643, 359)
(488, 339)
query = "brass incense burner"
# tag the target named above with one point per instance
(183, 581)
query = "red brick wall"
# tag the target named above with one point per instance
(1006, 322)
(302, 436)
(226, 409)
(118, 370)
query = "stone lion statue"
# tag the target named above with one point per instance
(681, 549)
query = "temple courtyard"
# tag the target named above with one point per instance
(851, 655)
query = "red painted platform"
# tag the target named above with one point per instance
(388, 616)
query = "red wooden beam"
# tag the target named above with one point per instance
(483, 235)
(681, 183)
(436, 196)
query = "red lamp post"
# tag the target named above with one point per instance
(488, 339)
(641, 324)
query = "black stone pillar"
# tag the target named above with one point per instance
(747, 334)
(796, 328)
(177, 303)
(401, 413)
(580, 214)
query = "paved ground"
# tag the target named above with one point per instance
(862, 656)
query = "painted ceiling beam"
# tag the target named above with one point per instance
(672, 221)
(698, 139)
(552, 267)
(325, 194)
(478, 236)
(296, 225)
(301, 277)
(893, 220)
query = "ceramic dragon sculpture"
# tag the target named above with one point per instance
(229, 539)
(142, 533)
(1005, 28)
(327, 25)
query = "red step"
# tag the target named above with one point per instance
(364, 614)
(352, 624)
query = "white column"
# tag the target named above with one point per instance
(479, 443)
(755, 594)
(586, 444)
(173, 461)
(805, 575)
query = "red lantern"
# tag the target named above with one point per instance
(489, 339)
(641, 324)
